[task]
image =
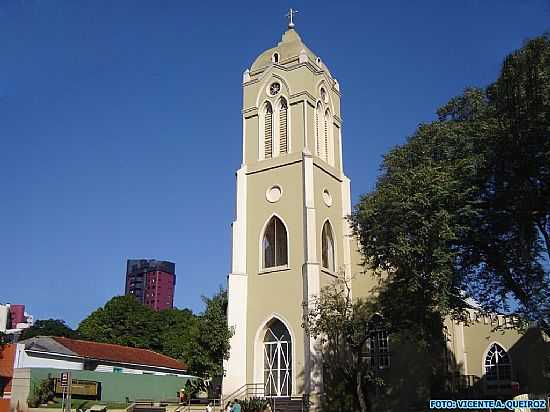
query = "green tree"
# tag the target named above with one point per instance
(411, 226)
(509, 254)
(178, 331)
(211, 338)
(49, 327)
(343, 327)
(201, 342)
(123, 321)
(464, 205)
(3, 341)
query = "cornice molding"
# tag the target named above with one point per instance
(308, 65)
(327, 169)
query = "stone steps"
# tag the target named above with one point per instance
(287, 405)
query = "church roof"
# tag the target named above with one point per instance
(289, 49)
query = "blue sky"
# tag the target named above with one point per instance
(109, 110)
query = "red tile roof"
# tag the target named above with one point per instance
(119, 353)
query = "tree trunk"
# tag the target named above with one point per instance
(360, 393)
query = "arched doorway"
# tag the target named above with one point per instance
(277, 360)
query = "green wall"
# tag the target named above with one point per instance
(116, 387)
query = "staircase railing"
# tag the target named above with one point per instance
(248, 390)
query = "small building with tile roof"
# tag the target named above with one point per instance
(74, 354)
(106, 372)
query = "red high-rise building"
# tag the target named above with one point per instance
(17, 315)
(152, 282)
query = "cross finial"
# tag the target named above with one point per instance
(290, 16)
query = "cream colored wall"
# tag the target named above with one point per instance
(333, 213)
(362, 284)
(471, 348)
(275, 292)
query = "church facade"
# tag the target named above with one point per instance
(291, 236)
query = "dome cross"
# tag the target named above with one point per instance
(290, 16)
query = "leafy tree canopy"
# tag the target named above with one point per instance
(464, 205)
(211, 338)
(123, 321)
(200, 341)
(49, 327)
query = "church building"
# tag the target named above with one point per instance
(291, 238)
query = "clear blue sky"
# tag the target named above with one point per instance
(109, 110)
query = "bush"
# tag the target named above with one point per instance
(254, 405)
(42, 393)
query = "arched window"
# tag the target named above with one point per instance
(326, 136)
(283, 127)
(319, 130)
(268, 131)
(275, 58)
(274, 244)
(277, 360)
(498, 367)
(327, 243)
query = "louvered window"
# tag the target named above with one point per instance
(318, 130)
(325, 141)
(268, 132)
(283, 128)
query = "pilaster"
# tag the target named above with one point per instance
(311, 276)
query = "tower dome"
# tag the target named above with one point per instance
(290, 49)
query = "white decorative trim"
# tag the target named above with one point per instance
(239, 225)
(340, 144)
(487, 351)
(281, 268)
(312, 282)
(464, 352)
(246, 76)
(235, 366)
(237, 293)
(346, 231)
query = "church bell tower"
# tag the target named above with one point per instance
(290, 236)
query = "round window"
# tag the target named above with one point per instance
(273, 194)
(274, 88)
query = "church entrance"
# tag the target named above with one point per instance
(277, 360)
